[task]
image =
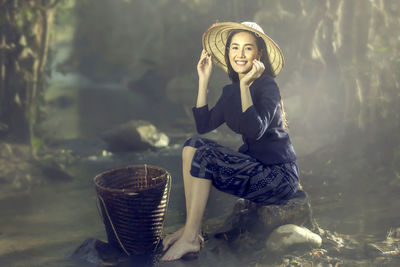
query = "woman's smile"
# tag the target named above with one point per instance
(241, 62)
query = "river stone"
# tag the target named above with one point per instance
(261, 220)
(296, 210)
(135, 135)
(87, 251)
(287, 236)
(97, 252)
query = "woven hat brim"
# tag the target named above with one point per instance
(214, 42)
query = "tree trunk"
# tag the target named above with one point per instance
(25, 27)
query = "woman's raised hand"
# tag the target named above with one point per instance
(255, 73)
(204, 66)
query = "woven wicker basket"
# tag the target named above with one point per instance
(133, 202)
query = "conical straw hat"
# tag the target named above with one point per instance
(215, 37)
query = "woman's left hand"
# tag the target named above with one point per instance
(255, 72)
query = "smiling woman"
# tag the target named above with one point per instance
(242, 51)
(264, 170)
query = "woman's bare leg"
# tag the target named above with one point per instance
(187, 156)
(190, 240)
(196, 193)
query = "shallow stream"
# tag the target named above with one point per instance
(44, 227)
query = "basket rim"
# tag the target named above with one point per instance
(95, 179)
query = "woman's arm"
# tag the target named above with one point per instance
(245, 82)
(206, 120)
(254, 123)
(204, 68)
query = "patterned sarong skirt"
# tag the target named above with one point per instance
(241, 175)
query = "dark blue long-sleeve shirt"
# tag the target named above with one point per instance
(261, 125)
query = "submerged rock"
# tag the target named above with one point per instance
(135, 135)
(97, 252)
(290, 235)
(87, 252)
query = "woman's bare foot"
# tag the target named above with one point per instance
(170, 239)
(181, 247)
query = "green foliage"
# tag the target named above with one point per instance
(65, 13)
(37, 145)
(29, 15)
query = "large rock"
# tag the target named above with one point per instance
(261, 220)
(296, 210)
(290, 236)
(135, 135)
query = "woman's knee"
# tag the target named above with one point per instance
(188, 152)
(193, 141)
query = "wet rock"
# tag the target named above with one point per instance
(96, 252)
(290, 235)
(135, 135)
(373, 250)
(88, 252)
(296, 210)
(53, 170)
(262, 220)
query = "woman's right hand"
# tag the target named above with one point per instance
(204, 66)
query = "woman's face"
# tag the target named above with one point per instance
(242, 51)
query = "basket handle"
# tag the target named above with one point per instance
(109, 219)
(145, 175)
(168, 188)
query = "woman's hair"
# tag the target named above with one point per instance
(264, 59)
